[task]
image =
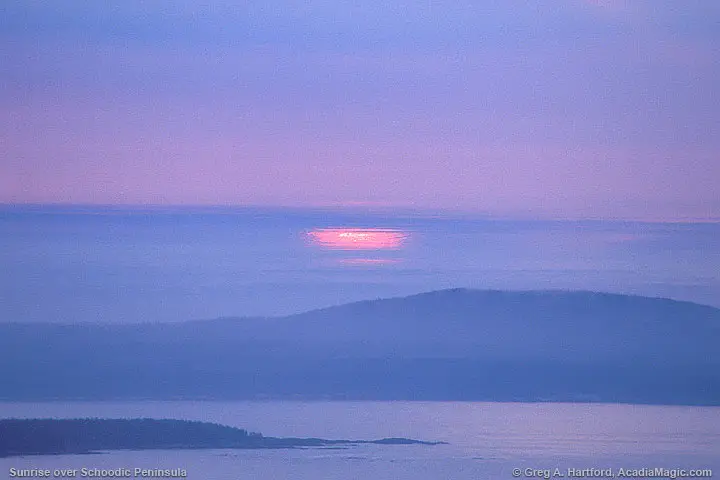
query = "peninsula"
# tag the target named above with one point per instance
(89, 435)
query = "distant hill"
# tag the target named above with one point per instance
(87, 435)
(446, 345)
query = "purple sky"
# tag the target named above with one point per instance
(565, 109)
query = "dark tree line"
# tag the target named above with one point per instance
(46, 436)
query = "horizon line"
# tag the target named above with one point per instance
(366, 208)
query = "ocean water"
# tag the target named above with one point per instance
(485, 440)
(75, 264)
(113, 265)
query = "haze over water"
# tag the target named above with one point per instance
(124, 265)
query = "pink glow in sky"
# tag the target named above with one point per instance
(564, 109)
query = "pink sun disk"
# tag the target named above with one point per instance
(358, 238)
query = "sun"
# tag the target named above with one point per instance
(358, 238)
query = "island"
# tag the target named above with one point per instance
(90, 435)
(447, 345)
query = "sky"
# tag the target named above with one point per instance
(600, 109)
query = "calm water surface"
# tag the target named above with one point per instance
(95, 265)
(486, 440)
